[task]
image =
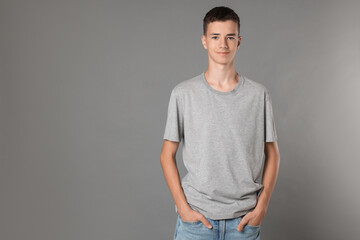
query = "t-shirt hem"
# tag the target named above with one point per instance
(225, 216)
(274, 139)
(171, 139)
(219, 217)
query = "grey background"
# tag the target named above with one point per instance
(84, 93)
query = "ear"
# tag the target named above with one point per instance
(203, 41)
(238, 44)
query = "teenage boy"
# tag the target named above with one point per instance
(226, 123)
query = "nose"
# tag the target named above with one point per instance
(223, 43)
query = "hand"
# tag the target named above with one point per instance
(191, 215)
(253, 218)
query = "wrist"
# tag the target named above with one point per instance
(261, 208)
(183, 207)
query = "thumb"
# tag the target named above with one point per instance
(241, 225)
(206, 222)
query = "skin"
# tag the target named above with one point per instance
(221, 75)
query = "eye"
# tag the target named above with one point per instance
(214, 37)
(231, 38)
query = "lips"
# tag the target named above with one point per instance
(223, 53)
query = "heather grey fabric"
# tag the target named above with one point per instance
(223, 136)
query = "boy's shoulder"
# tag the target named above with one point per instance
(188, 84)
(254, 85)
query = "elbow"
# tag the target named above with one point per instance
(163, 158)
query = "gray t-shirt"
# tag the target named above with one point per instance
(224, 135)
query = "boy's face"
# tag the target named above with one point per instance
(222, 40)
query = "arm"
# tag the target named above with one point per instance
(271, 169)
(171, 173)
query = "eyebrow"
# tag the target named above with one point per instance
(230, 34)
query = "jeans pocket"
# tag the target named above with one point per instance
(247, 225)
(251, 226)
(187, 222)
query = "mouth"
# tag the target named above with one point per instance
(223, 53)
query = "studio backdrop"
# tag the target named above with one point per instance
(84, 92)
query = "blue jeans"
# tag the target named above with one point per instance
(223, 229)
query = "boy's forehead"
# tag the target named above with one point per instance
(226, 27)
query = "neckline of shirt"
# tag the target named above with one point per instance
(231, 92)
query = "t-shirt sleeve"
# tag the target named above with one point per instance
(174, 128)
(270, 129)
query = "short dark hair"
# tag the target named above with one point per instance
(220, 13)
